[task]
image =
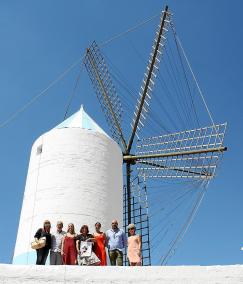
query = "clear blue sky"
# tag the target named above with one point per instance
(40, 39)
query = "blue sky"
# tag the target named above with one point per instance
(40, 39)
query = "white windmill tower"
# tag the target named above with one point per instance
(75, 174)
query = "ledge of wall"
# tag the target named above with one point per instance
(167, 274)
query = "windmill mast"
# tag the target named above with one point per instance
(147, 87)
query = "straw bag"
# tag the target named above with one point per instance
(38, 244)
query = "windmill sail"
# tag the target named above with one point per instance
(142, 107)
(105, 91)
(186, 154)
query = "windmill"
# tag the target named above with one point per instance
(191, 155)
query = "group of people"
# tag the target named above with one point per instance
(69, 248)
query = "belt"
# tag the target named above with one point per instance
(56, 250)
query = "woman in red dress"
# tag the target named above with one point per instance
(69, 251)
(99, 248)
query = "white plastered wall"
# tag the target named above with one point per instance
(76, 178)
(73, 274)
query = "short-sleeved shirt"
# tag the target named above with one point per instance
(56, 241)
(82, 238)
(116, 239)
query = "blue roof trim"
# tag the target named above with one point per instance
(81, 119)
(66, 122)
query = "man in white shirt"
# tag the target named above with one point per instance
(116, 241)
(56, 243)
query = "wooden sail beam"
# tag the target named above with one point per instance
(133, 158)
(106, 97)
(149, 75)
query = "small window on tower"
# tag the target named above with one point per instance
(39, 150)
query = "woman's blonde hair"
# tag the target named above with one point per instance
(68, 230)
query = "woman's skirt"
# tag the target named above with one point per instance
(89, 260)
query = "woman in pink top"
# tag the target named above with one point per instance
(134, 246)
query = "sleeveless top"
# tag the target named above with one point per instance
(133, 251)
(99, 248)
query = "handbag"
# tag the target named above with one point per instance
(85, 248)
(38, 244)
(87, 256)
(88, 260)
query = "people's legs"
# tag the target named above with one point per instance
(39, 256)
(73, 258)
(119, 258)
(44, 255)
(58, 258)
(113, 257)
(135, 263)
(53, 258)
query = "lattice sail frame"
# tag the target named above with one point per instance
(194, 153)
(105, 90)
(150, 75)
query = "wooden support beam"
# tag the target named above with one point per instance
(132, 158)
(130, 142)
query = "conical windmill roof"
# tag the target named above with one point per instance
(81, 119)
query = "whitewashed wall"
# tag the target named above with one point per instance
(76, 178)
(73, 274)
